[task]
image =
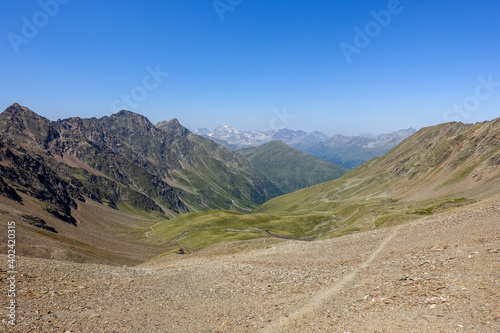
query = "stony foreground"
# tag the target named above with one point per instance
(437, 274)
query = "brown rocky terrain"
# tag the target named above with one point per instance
(435, 274)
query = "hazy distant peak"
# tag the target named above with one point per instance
(224, 129)
(202, 131)
(236, 139)
(318, 134)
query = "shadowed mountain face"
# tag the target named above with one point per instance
(290, 168)
(122, 159)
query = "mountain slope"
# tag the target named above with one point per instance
(437, 169)
(215, 172)
(290, 168)
(180, 170)
(121, 162)
(451, 159)
(440, 274)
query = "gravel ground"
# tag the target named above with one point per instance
(437, 274)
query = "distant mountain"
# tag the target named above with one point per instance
(289, 168)
(308, 140)
(202, 131)
(346, 151)
(122, 159)
(234, 139)
(351, 151)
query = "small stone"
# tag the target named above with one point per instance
(432, 300)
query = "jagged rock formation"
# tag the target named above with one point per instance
(121, 159)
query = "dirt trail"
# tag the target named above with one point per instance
(436, 274)
(319, 300)
(152, 229)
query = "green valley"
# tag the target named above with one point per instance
(437, 169)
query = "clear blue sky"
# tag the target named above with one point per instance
(264, 57)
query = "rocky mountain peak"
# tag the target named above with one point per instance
(20, 121)
(173, 127)
(130, 117)
(20, 111)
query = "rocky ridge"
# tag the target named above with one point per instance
(122, 159)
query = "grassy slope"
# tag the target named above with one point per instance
(437, 169)
(289, 168)
(195, 231)
(225, 178)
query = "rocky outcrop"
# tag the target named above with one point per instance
(121, 159)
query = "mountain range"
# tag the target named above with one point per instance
(437, 169)
(346, 151)
(126, 159)
(57, 170)
(121, 190)
(234, 139)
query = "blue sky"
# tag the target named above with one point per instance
(255, 64)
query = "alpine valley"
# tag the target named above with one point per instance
(82, 187)
(121, 224)
(437, 169)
